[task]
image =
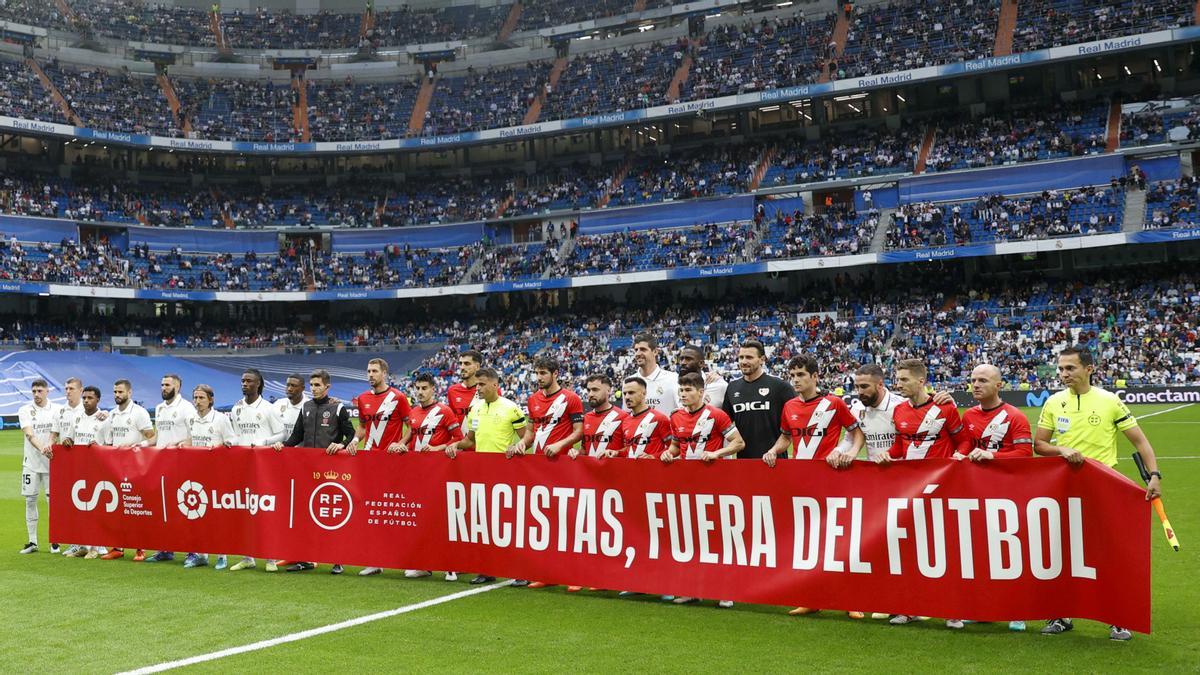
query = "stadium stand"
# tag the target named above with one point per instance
(1051, 23)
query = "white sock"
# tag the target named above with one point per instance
(31, 518)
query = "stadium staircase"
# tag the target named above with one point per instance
(1196, 14)
(879, 239)
(564, 250)
(472, 271)
(926, 148)
(841, 31)
(764, 165)
(218, 30)
(67, 11)
(1112, 140)
(55, 94)
(368, 21)
(535, 108)
(510, 22)
(1005, 27)
(300, 109)
(681, 76)
(416, 121)
(1135, 211)
(168, 90)
(617, 180)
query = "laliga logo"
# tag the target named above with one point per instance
(330, 506)
(103, 487)
(194, 502)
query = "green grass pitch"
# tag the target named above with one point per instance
(68, 615)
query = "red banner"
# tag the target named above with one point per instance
(1015, 539)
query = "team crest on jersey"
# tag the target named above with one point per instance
(1094, 419)
(764, 391)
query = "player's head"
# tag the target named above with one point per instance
(469, 363)
(294, 386)
(170, 386)
(425, 388)
(599, 390)
(122, 390)
(804, 373)
(751, 356)
(318, 383)
(911, 376)
(90, 396)
(377, 373)
(1075, 367)
(252, 384)
(985, 384)
(645, 350)
(545, 369)
(489, 384)
(634, 392)
(868, 384)
(691, 390)
(202, 398)
(73, 387)
(690, 359)
(40, 390)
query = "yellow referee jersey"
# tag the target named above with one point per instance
(1087, 422)
(495, 424)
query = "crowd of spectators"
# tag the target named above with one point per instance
(613, 81)
(546, 13)
(23, 96)
(861, 153)
(1042, 24)
(1155, 124)
(484, 99)
(1020, 136)
(354, 111)
(115, 100)
(837, 230)
(1052, 213)
(759, 54)
(1172, 204)
(908, 34)
(634, 251)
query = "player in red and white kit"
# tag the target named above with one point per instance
(382, 423)
(647, 430)
(924, 428)
(812, 424)
(604, 424)
(702, 432)
(557, 422)
(994, 429)
(461, 394)
(434, 426)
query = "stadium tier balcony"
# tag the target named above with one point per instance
(460, 22)
(836, 231)
(1172, 204)
(613, 81)
(132, 20)
(238, 109)
(546, 13)
(1052, 213)
(22, 95)
(140, 105)
(917, 33)
(635, 251)
(484, 99)
(1022, 136)
(352, 111)
(514, 263)
(848, 155)
(1158, 126)
(1052, 23)
(759, 54)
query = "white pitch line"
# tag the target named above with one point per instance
(313, 632)
(1164, 412)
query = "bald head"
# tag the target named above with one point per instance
(985, 385)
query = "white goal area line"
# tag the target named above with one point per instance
(313, 632)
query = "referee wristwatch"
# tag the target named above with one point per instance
(1155, 474)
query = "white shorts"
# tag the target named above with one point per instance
(33, 482)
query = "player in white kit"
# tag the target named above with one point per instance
(38, 420)
(290, 405)
(88, 427)
(210, 428)
(129, 425)
(257, 424)
(172, 421)
(62, 429)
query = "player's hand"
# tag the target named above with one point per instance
(48, 452)
(1072, 455)
(512, 451)
(882, 459)
(709, 456)
(1153, 489)
(352, 449)
(436, 448)
(979, 456)
(573, 453)
(397, 448)
(229, 444)
(610, 454)
(840, 460)
(667, 457)
(277, 446)
(942, 398)
(68, 442)
(553, 449)
(101, 415)
(452, 451)
(334, 448)
(710, 377)
(770, 457)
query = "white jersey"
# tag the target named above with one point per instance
(714, 392)
(125, 427)
(288, 412)
(662, 390)
(66, 419)
(257, 423)
(211, 431)
(88, 429)
(876, 423)
(41, 422)
(172, 421)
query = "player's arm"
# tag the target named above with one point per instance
(293, 439)
(1043, 446)
(1142, 444)
(225, 431)
(454, 430)
(571, 439)
(38, 445)
(672, 452)
(345, 430)
(525, 439)
(1019, 440)
(959, 439)
(843, 460)
(895, 452)
(149, 433)
(780, 446)
(734, 443)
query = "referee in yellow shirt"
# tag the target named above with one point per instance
(1081, 422)
(492, 425)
